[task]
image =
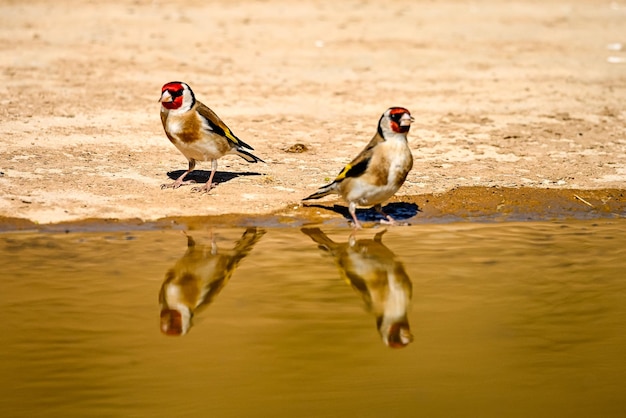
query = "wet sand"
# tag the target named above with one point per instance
(463, 204)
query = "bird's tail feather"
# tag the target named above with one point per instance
(249, 157)
(320, 238)
(323, 191)
(244, 145)
(245, 244)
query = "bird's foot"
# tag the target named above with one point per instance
(356, 225)
(392, 222)
(204, 189)
(176, 184)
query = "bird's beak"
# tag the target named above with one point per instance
(406, 120)
(166, 97)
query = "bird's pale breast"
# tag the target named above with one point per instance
(193, 140)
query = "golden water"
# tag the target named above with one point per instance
(507, 320)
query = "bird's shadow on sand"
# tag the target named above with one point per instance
(202, 176)
(399, 211)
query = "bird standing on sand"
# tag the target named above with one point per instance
(197, 132)
(379, 170)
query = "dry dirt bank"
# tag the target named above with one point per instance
(523, 95)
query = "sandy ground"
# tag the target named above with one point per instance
(526, 95)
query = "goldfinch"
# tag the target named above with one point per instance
(379, 170)
(374, 272)
(197, 132)
(197, 278)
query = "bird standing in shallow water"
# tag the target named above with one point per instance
(379, 170)
(197, 132)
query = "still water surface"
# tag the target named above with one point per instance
(454, 320)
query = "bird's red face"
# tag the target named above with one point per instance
(400, 119)
(399, 335)
(171, 322)
(172, 95)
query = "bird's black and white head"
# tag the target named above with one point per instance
(395, 120)
(177, 96)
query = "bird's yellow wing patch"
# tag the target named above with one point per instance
(343, 173)
(215, 124)
(357, 166)
(230, 135)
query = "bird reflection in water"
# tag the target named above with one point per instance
(373, 271)
(197, 278)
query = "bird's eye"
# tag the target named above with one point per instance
(396, 116)
(175, 93)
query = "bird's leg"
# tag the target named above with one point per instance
(352, 210)
(388, 219)
(209, 184)
(179, 181)
(352, 238)
(213, 243)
